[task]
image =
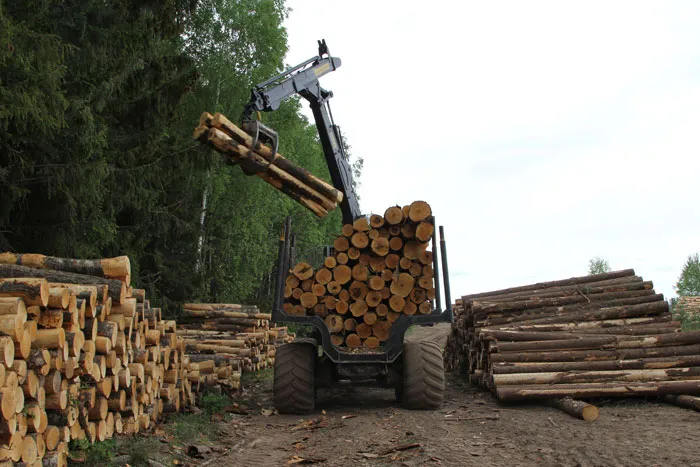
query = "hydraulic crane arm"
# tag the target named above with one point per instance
(303, 80)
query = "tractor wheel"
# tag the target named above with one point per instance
(423, 376)
(294, 387)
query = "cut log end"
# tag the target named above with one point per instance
(419, 211)
(576, 408)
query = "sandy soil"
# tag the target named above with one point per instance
(471, 428)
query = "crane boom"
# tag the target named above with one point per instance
(303, 80)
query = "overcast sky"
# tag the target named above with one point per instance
(542, 133)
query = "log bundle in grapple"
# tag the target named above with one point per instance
(85, 356)
(256, 158)
(381, 268)
(603, 335)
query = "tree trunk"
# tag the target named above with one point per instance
(419, 211)
(227, 145)
(353, 341)
(617, 376)
(50, 339)
(576, 408)
(606, 285)
(596, 355)
(559, 283)
(221, 122)
(117, 288)
(688, 402)
(479, 307)
(51, 318)
(510, 317)
(34, 291)
(586, 326)
(52, 436)
(402, 285)
(106, 267)
(604, 365)
(226, 314)
(59, 297)
(587, 390)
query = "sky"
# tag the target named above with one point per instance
(542, 133)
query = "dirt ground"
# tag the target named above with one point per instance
(471, 428)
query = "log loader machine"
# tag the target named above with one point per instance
(413, 369)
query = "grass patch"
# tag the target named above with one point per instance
(215, 403)
(136, 451)
(93, 454)
(141, 450)
(197, 427)
(262, 376)
(188, 428)
(181, 430)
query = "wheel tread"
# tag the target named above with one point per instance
(294, 389)
(424, 376)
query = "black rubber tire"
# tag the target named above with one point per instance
(423, 376)
(294, 387)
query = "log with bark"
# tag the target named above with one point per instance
(34, 291)
(112, 268)
(225, 137)
(117, 288)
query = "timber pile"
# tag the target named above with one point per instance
(308, 190)
(85, 356)
(238, 335)
(688, 306)
(603, 335)
(380, 270)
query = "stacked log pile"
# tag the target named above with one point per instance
(238, 335)
(85, 356)
(381, 268)
(688, 307)
(308, 190)
(602, 335)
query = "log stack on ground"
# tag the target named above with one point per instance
(687, 308)
(381, 268)
(224, 136)
(238, 334)
(604, 335)
(84, 356)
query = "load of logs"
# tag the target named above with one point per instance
(85, 356)
(255, 158)
(603, 335)
(238, 335)
(381, 269)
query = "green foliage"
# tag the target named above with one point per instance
(141, 451)
(689, 281)
(99, 101)
(265, 376)
(215, 403)
(189, 428)
(689, 321)
(301, 330)
(598, 266)
(94, 454)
